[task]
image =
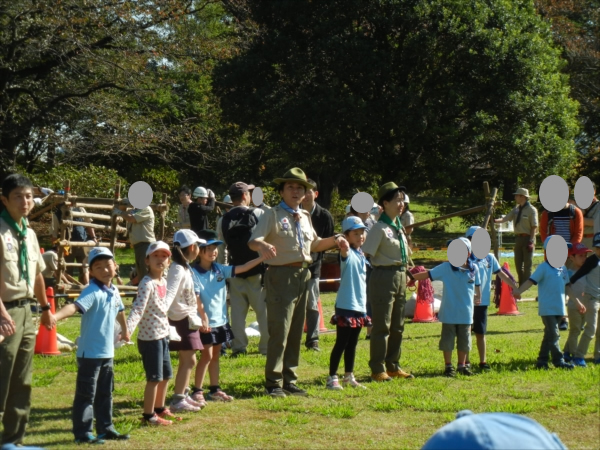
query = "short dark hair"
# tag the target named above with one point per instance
(388, 197)
(185, 189)
(101, 258)
(15, 181)
(236, 197)
(313, 183)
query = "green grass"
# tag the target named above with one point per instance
(401, 414)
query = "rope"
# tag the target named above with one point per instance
(425, 288)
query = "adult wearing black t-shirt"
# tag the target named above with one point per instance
(203, 203)
(323, 224)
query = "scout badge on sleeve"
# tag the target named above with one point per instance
(389, 233)
(285, 224)
(9, 245)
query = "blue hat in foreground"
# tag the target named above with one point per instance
(211, 238)
(471, 231)
(467, 243)
(493, 431)
(569, 245)
(99, 251)
(352, 223)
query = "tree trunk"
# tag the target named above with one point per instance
(510, 185)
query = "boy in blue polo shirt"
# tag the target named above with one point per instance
(462, 289)
(552, 284)
(100, 304)
(488, 267)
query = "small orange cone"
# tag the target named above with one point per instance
(424, 312)
(508, 304)
(46, 342)
(322, 327)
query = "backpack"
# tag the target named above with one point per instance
(237, 227)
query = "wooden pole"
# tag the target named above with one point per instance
(96, 226)
(87, 215)
(44, 210)
(92, 244)
(163, 216)
(63, 237)
(491, 199)
(113, 233)
(449, 216)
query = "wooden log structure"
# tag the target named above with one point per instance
(464, 212)
(90, 244)
(96, 226)
(491, 199)
(87, 215)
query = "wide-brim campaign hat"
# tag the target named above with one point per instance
(210, 236)
(386, 189)
(522, 191)
(294, 175)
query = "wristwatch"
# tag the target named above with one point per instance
(46, 308)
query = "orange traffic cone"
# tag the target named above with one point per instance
(46, 342)
(42, 251)
(322, 327)
(424, 311)
(508, 304)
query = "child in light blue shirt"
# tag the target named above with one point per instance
(209, 284)
(552, 284)
(462, 289)
(100, 304)
(350, 304)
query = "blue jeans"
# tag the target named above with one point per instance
(550, 345)
(93, 396)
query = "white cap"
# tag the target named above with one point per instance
(98, 251)
(406, 199)
(227, 199)
(185, 238)
(200, 192)
(156, 246)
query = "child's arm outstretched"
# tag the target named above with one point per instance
(249, 265)
(66, 311)
(571, 294)
(138, 307)
(504, 277)
(477, 297)
(125, 335)
(344, 248)
(421, 275)
(517, 292)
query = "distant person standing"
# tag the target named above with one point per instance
(183, 216)
(525, 222)
(322, 222)
(203, 203)
(407, 219)
(140, 225)
(591, 220)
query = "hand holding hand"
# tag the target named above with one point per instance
(125, 336)
(530, 247)
(581, 307)
(48, 320)
(7, 325)
(516, 294)
(343, 244)
(267, 251)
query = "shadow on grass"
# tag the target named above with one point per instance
(39, 415)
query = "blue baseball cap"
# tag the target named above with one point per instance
(352, 223)
(210, 236)
(493, 431)
(471, 231)
(467, 243)
(569, 245)
(98, 251)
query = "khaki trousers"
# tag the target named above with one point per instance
(243, 294)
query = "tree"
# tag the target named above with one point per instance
(434, 93)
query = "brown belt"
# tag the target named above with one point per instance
(18, 303)
(302, 265)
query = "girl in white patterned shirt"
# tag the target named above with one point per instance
(149, 310)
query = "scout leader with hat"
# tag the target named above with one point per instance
(525, 221)
(387, 246)
(284, 236)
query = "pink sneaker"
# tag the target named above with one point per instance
(198, 397)
(219, 396)
(184, 406)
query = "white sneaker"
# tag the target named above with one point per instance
(349, 380)
(333, 383)
(184, 406)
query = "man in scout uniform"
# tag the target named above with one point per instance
(140, 225)
(389, 255)
(21, 281)
(525, 222)
(284, 236)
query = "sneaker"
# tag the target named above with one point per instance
(368, 337)
(219, 396)
(563, 325)
(485, 366)
(400, 374)
(564, 365)
(198, 399)
(333, 383)
(542, 366)
(236, 354)
(275, 392)
(567, 357)
(450, 372)
(89, 438)
(579, 362)
(190, 401)
(168, 415)
(314, 346)
(349, 380)
(184, 406)
(156, 421)
(466, 371)
(113, 435)
(380, 377)
(292, 389)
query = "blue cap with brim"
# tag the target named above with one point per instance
(569, 245)
(352, 223)
(210, 236)
(99, 251)
(471, 231)
(493, 431)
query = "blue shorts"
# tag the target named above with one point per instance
(156, 359)
(480, 319)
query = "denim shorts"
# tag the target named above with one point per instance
(156, 359)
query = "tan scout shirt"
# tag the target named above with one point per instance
(11, 286)
(383, 244)
(529, 219)
(143, 228)
(277, 227)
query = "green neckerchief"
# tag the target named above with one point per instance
(396, 225)
(22, 234)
